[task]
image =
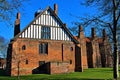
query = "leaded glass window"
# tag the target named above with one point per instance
(45, 32)
(43, 48)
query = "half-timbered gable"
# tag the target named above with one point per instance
(46, 25)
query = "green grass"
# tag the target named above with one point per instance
(88, 74)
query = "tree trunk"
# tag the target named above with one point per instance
(115, 67)
(115, 41)
(116, 64)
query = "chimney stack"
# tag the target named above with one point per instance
(56, 9)
(104, 34)
(17, 25)
(18, 15)
(80, 31)
(65, 25)
(93, 33)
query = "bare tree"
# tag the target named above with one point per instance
(3, 47)
(8, 8)
(15, 57)
(107, 16)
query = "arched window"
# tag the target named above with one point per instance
(70, 61)
(23, 47)
(26, 61)
(71, 48)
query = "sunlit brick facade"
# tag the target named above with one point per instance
(47, 46)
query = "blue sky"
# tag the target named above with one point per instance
(65, 9)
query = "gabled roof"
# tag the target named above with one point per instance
(52, 13)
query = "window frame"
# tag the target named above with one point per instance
(45, 32)
(43, 48)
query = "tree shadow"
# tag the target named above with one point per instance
(2, 72)
(69, 79)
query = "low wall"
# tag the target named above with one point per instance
(58, 67)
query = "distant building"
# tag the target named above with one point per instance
(99, 51)
(2, 63)
(47, 46)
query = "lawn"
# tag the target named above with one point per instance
(88, 74)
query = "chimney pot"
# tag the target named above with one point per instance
(18, 15)
(93, 32)
(65, 25)
(80, 28)
(56, 9)
(104, 34)
(17, 25)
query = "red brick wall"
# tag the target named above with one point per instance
(93, 54)
(81, 50)
(58, 67)
(106, 54)
(81, 57)
(57, 51)
(89, 54)
(96, 54)
(84, 54)
(78, 63)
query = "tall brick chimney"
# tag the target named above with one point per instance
(93, 33)
(17, 25)
(82, 48)
(80, 32)
(104, 34)
(56, 9)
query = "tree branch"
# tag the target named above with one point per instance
(118, 16)
(107, 24)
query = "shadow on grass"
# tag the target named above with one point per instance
(2, 72)
(68, 79)
(42, 77)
